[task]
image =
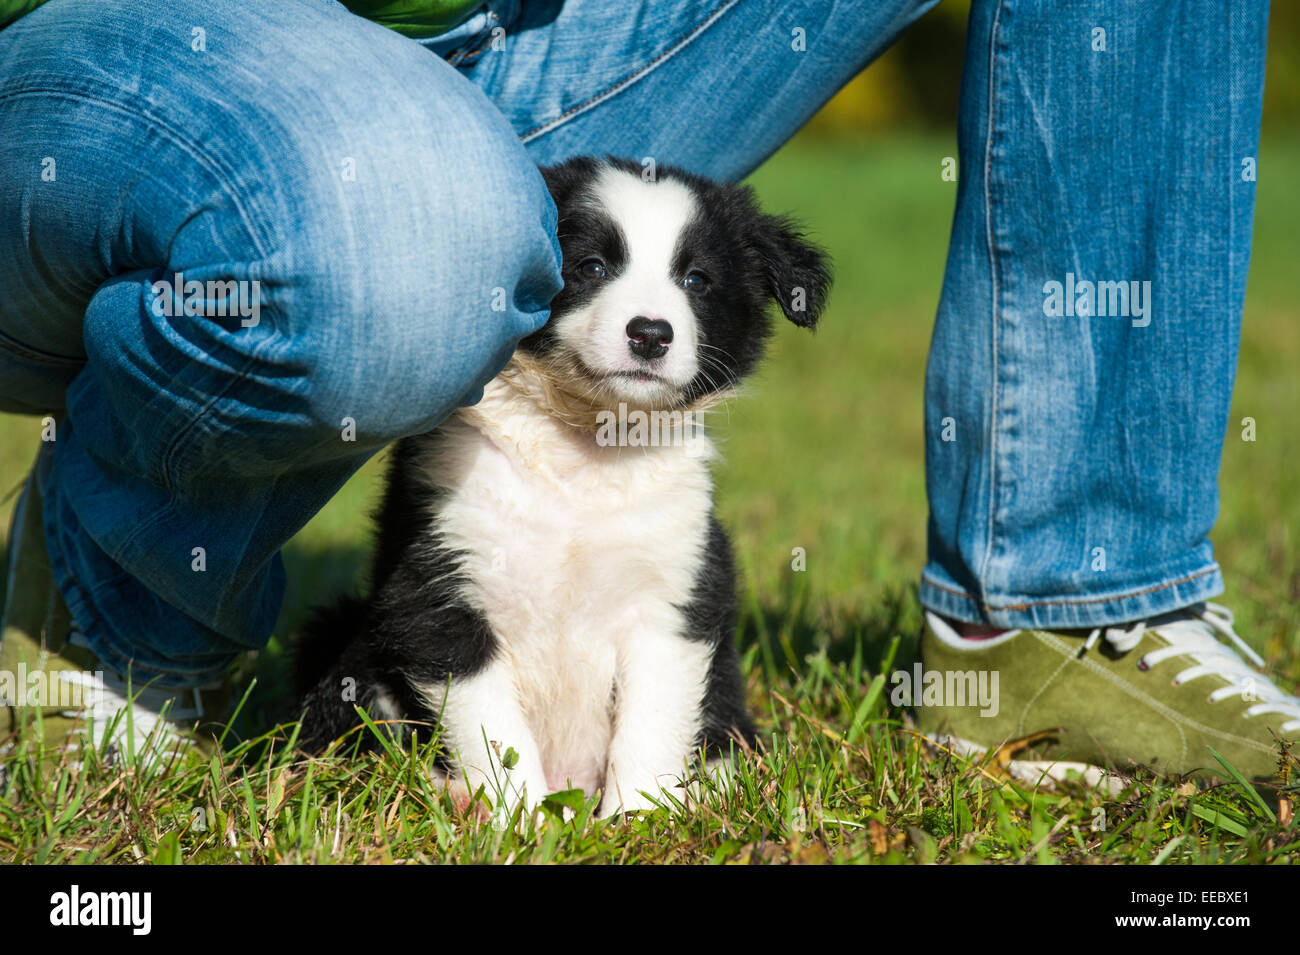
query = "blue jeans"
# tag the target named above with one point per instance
(379, 198)
(1072, 459)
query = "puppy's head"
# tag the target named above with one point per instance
(667, 284)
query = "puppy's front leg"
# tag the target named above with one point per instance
(662, 679)
(482, 720)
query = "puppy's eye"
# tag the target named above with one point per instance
(591, 268)
(695, 281)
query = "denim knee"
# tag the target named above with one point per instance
(414, 293)
(394, 242)
(422, 249)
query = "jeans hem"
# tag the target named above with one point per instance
(1073, 611)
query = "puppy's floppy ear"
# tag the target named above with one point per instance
(797, 272)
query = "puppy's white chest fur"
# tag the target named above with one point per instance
(570, 550)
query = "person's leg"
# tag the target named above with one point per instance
(1072, 458)
(715, 86)
(1078, 388)
(383, 216)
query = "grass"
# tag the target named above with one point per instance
(838, 776)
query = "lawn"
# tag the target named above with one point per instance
(823, 453)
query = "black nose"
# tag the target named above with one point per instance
(649, 338)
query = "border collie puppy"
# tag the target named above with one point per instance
(551, 588)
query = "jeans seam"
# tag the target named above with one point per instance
(995, 297)
(27, 353)
(1082, 601)
(632, 77)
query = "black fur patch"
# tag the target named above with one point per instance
(412, 628)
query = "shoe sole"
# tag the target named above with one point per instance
(1045, 774)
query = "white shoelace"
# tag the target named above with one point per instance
(1197, 635)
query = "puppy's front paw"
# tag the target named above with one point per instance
(613, 802)
(493, 803)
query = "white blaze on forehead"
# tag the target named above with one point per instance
(651, 216)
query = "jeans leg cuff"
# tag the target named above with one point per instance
(1071, 611)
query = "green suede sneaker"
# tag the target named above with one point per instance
(52, 685)
(1159, 694)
